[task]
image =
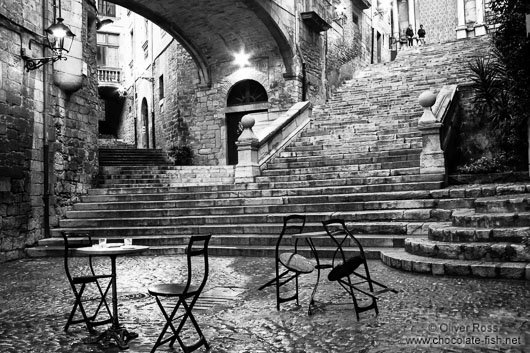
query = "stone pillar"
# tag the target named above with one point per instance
(412, 15)
(432, 158)
(395, 15)
(461, 29)
(247, 167)
(480, 26)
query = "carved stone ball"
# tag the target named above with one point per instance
(248, 121)
(427, 99)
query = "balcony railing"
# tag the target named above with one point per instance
(109, 75)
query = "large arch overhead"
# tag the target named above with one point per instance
(212, 30)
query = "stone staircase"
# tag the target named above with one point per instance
(484, 240)
(126, 156)
(358, 160)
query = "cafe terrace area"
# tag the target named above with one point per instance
(235, 316)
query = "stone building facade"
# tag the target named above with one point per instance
(168, 105)
(181, 88)
(48, 120)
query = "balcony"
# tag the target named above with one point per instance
(109, 76)
(318, 15)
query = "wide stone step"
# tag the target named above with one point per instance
(471, 219)
(254, 240)
(147, 219)
(118, 229)
(355, 180)
(445, 233)
(349, 170)
(503, 204)
(346, 194)
(341, 159)
(481, 191)
(402, 260)
(338, 147)
(487, 251)
(341, 133)
(302, 188)
(286, 157)
(351, 200)
(316, 150)
(359, 164)
(346, 210)
(267, 182)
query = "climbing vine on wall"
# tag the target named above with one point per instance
(340, 61)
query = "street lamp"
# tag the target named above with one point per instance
(59, 39)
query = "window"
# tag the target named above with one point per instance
(108, 50)
(161, 87)
(106, 8)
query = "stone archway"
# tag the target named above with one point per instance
(245, 97)
(211, 30)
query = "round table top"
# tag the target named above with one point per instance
(112, 250)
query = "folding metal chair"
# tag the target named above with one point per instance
(345, 270)
(187, 294)
(290, 264)
(80, 276)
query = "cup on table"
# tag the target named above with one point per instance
(102, 242)
(127, 242)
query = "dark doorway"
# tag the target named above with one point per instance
(113, 111)
(246, 93)
(145, 125)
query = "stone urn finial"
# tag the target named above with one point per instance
(427, 100)
(247, 122)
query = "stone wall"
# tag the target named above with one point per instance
(31, 102)
(439, 18)
(193, 115)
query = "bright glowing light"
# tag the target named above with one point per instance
(242, 59)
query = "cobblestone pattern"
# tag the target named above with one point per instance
(473, 315)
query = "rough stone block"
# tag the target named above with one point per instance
(438, 269)
(486, 270)
(406, 265)
(438, 194)
(421, 267)
(510, 189)
(513, 270)
(457, 269)
(457, 193)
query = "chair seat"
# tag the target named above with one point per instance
(296, 262)
(89, 279)
(346, 268)
(171, 290)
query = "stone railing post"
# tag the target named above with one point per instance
(247, 167)
(432, 157)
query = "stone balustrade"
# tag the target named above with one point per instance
(432, 159)
(109, 75)
(254, 151)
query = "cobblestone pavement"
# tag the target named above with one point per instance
(459, 314)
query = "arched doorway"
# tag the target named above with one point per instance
(144, 126)
(245, 97)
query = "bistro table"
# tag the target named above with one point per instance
(116, 332)
(319, 266)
